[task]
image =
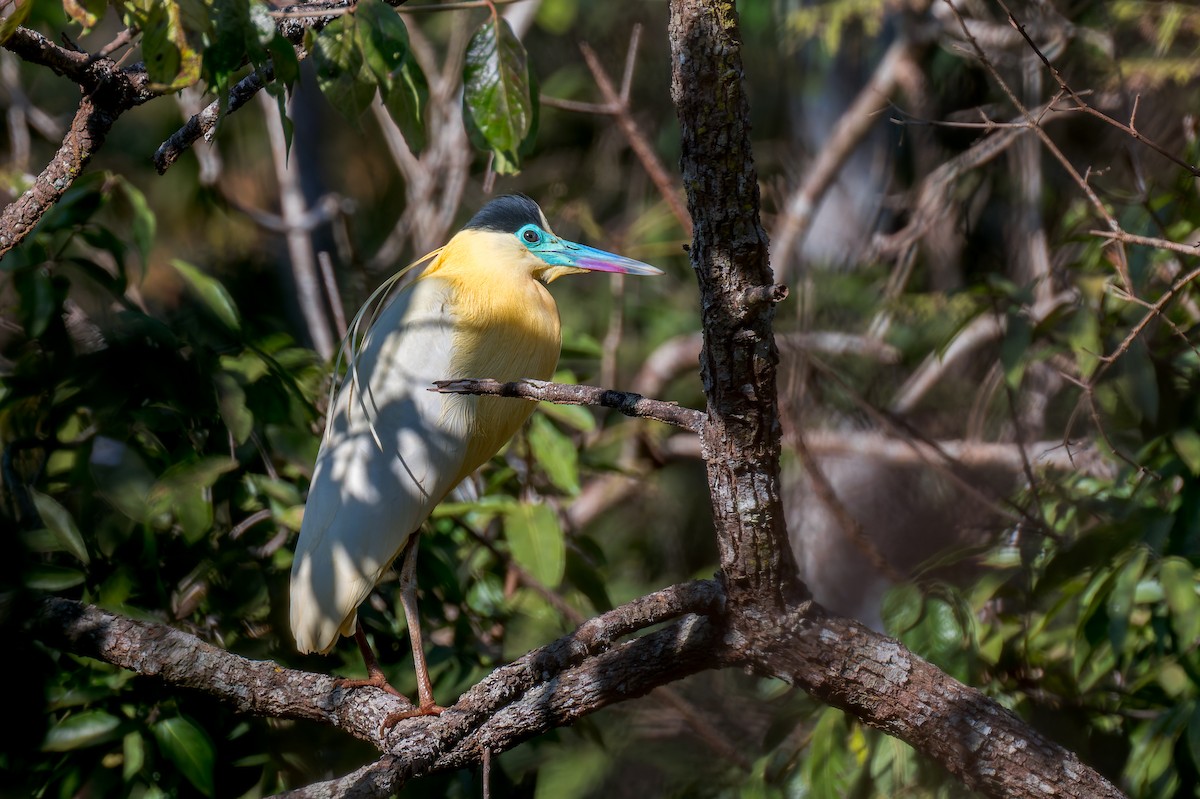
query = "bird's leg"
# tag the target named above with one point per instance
(375, 675)
(408, 600)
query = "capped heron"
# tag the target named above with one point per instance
(392, 449)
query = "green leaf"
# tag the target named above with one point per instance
(15, 20)
(1120, 600)
(576, 416)
(342, 72)
(133, 747)
(39, 300)
(283, 58)
(1014, 348)
(79, 730)
(171, 61)
(200, 473)
(231, 402)
(1186, 442)
(586, 577)
(497, 102)
(405, 98)
(211, 293)
(555, 453)
(902, 607)
(122, 478)
(191, 750)
(830, 763)
(144, 222)
(536, 542)
(59, 522)
(382, 38)
(48, 577)
(1178, 580)
(402, 85)
(183, 492)
(1193, 734)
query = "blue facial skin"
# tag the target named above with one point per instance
(560, 252)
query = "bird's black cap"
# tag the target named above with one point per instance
(507, 214)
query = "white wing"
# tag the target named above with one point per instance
(366, 499)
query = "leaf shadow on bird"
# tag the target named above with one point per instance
(392, 448)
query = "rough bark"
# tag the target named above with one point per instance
(741, 440)
(108, 91)
(549, 687)
(778, 631)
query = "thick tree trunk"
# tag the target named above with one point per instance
(774, 628)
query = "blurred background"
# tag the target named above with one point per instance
(989, 410)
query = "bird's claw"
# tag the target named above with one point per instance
(374, 681)
(412, 712)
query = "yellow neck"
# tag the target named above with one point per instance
(506, 327)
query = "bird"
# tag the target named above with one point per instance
(393, 449)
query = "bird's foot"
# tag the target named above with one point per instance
(375, 680)
(429, 709)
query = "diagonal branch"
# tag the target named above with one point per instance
(108, 92)
(548, 687)
(627, 403)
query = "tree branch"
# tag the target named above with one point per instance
(887, 687)
(548, 687)
(108, 92)
(625, 402)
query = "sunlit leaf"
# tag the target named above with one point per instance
(187, 746)
(172, 62)
(48, 577)
(231, 402)
(576, 416)
(342, 73)
(15, 19)
(211, 293)
(133, 747)
(59, 522)
(1120, 599)
(85, 12)
(1178, 579)
(497, 102)
(536, 542)
(555, 453)
(78, 730)
(144, 222)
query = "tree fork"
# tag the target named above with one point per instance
(773, 626)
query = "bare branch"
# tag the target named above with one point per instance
(618, 105)
(625, 402)
(205, 123)
(985, 745)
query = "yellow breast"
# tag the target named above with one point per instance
(506, 328)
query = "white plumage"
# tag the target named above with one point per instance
(365, 500)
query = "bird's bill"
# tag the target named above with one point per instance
(589, 259)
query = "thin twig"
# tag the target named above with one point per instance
(1129, 130)
(1122, 263)
(638, 142)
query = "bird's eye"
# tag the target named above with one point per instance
(531, 236)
